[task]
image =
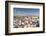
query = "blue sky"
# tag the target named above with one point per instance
(25, 11)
